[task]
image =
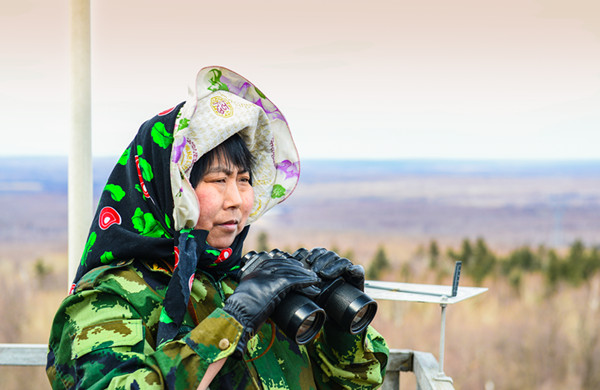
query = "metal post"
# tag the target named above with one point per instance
(80, 150)
(441, 376)
(442, 337)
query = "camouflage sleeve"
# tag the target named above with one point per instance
(344, 361)
(99, 341)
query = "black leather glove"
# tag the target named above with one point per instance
(262, 288)
(329, 265)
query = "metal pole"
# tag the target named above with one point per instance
(80, 150)
(442, 337)
(441, 376)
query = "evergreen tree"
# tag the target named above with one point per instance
(262, 242)
(483, 262)
(379, 263)
(575, 263)
(514, 279)
(465, 255)
(594, 261)
(434, 254)
(524, 259)
(553, 270)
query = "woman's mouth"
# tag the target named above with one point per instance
(231, 224)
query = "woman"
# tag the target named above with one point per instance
(156, 301)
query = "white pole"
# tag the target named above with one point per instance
(440, 375)
(442, 338)
(80, 148)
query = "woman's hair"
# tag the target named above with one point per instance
(231, 152)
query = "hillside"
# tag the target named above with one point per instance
(510, 204)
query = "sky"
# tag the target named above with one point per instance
(461, 79)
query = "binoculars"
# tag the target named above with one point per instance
(301, 318)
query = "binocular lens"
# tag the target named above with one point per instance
(300, 318)
(349, 307)
(363, 318)
(359, 317)
(307, 326)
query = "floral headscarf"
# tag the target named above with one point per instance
(148, 207)
(221, 104)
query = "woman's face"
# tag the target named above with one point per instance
(226, 198)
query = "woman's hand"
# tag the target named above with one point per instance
(263, 288)
(329, 265)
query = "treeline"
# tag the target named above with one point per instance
(574, 266)
(378, 264)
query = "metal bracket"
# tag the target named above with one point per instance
(442, 295)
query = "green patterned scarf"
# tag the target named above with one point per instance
(148, 208)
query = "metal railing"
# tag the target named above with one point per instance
(428, 373)
(422, 364)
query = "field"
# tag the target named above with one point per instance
(508, 338)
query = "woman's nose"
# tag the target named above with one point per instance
(233, 198)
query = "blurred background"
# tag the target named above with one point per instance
(429, 132)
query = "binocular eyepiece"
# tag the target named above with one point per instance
(302, 318)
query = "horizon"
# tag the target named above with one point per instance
(53, 170)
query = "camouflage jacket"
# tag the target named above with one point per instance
(103, 336)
